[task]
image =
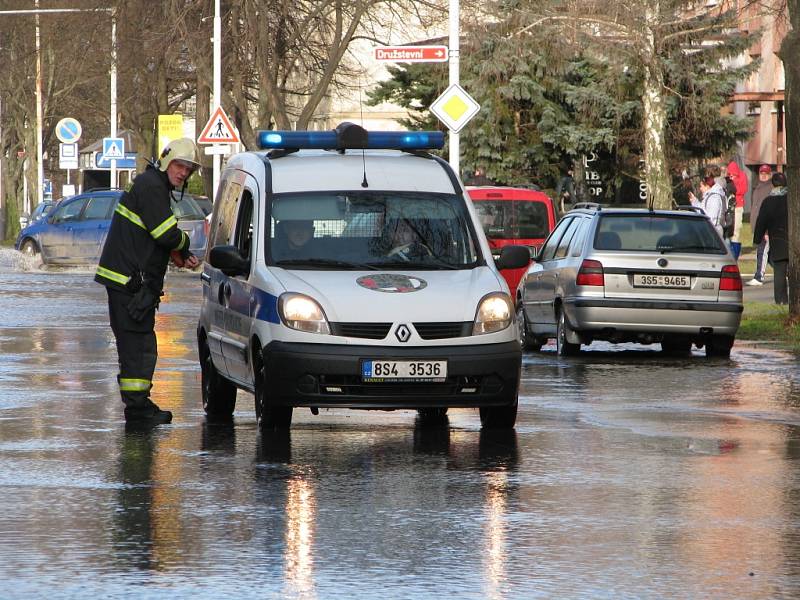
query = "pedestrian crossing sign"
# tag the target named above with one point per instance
(218, 130)
(113, 148)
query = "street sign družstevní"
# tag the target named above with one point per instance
(412, 53)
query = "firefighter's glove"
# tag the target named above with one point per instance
(143, 302)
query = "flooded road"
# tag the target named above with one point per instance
(629, 475)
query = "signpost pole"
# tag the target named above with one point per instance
(454, 55)
(217, 88)
(39, 123)
(113, 92)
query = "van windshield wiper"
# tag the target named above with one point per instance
(429, 265)
(325, 262)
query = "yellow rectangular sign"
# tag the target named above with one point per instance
(170, 127)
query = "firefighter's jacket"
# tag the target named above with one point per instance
(142, 234)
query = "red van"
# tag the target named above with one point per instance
(513, 216)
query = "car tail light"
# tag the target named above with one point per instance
(730, 280)
(591, 273)
(206, 226)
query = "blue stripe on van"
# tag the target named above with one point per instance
(265, 307)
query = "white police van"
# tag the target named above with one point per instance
(347, 268)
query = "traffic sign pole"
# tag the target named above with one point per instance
(455, 150)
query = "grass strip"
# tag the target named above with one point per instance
(762, 321)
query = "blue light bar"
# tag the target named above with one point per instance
(336, 140)
(301, 140)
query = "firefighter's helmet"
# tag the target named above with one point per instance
(182, 149)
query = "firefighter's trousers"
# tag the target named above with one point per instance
(136, 349)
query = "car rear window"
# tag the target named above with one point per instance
(513, 219)
(657, 233)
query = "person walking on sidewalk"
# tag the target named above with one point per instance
(761, 191)
(773, 220)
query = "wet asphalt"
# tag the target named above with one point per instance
(629, 475)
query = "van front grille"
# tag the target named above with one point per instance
(369, 331)
(441, 331)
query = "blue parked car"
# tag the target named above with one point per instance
(75, 231)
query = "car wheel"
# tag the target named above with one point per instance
(526, 340)
(676, 346)
(29, 248)
(269, 417)
(219, 394)
(499, 417)
(719, 346)
(563, 347)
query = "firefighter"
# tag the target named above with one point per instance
(144, 234)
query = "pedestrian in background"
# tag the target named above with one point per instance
(773, 220)
(760, 192)
(143, 234)
(738, 179)
(565, 191)
(712, 202)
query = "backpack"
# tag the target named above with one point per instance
(729, 212)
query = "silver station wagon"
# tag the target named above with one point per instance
(631, 275)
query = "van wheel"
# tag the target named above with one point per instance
(526, 340)
(563, 347)
(219, 394)
(269, 417)
(719, 346)
(29, 248)
(499, 417)
(431, 416)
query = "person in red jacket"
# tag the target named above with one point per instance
(740, 183)
(132, 266)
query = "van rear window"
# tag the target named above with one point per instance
(513, 219)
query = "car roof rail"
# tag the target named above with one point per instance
(103, 189)
(587, 206)
(694, 209)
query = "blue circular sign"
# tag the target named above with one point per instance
(68, 130)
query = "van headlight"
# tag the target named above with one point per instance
(302, 313)
(494, 314)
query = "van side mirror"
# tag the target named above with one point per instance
(228, 260)
(513, 257)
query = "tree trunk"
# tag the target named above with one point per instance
(659, 189)
(790, 50)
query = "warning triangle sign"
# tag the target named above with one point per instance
(218, 130)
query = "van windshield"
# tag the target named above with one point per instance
(370, 230)
(513, 219)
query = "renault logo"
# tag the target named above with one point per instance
(402, 333)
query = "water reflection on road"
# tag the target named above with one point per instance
(629, 475)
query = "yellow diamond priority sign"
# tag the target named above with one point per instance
(455, 107)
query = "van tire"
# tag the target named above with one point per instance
(270, 418)
(499, 417)
(219, 394)
(432, 416)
